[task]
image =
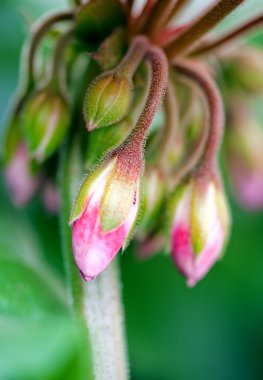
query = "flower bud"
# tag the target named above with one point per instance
(22, 183)
(244, 158)
(246, 67)
(45, 123)
(104, 216)
(107, 100)
(200, 224)
(50, 197)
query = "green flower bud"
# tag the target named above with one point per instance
(45, 123)
(107, 100)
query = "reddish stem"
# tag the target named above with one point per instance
(138, 23)
(131, 149)
(200, 27)
(229, 36)
(159, 15)
(214, 101)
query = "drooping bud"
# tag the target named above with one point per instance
(45, 123)
(107, 100)
(22, 183)
(104, 215)
(244, 158)
(200, 224)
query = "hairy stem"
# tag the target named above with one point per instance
(200, 27)
(176, 9)
(158, 67)
(138, 23)
(59, 55)
(133, 57)
(38, 32)
(160, 13)
(96, 306)
(229, 36)
(215, 110)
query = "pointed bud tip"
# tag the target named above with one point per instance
(85, 277)
(91, 126)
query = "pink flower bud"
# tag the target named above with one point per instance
(22, 183)
(200, 224)
(105, 214)
(50, 198)
(244, 157)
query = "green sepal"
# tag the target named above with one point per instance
(199, 226)
(85, 189)
(45, 122)
(117, 200)
(107, 101)
(11, 139)
(135, 223)
(111, 51)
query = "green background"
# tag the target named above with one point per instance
(213, 331)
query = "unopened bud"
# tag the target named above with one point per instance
(22, 183)
(107, 101)
(200, 224)
(104, 216)
(51, 198)
(45, 123)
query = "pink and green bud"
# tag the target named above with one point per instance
(104, 215)
(108, 100)
(244, 157)
(45, 123)
(21, 182)
(200, 225)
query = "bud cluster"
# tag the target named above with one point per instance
(125, 86)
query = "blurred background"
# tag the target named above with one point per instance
(213, 331)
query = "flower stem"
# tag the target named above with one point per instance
(215, 110)
(200, 27)
(229, 36)
(59, 56)
(28, 56)
(96, 306)
(158, 67)
(160, 13)
(39, 30)
(133, 57)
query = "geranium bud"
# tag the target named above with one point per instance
(107, 100)
(45, 123)
(50, 197)
(200, 224)
(104, 216)
(244, 157)
(21, 182)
